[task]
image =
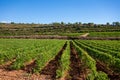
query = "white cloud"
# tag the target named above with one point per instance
(5, 21)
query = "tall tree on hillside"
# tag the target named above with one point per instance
(80, 23)
(107, 24)
(62, 24)
(91, 24)
(116, 24)
(12, 23)
(56, 24)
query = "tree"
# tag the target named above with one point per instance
(62, 23)
(116, 24)
(56, 24)
(76, 24)
(108, 24)
(80, 23)
(91, 24)
(12, 23)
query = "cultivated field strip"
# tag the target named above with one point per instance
(89, 65)
(107, 58)
(59, 59)
(107, 63)
(49, 71)
(77, 72)
(62, 71)
(34, 51)
(102, 49)
(104, 34)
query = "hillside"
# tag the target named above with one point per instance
(62, 29)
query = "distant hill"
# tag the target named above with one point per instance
(7, 29)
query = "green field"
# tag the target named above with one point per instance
(96, 59)
(60, 40)
(104, 34)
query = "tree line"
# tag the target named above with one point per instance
(62, 24)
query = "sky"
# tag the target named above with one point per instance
(48, 11)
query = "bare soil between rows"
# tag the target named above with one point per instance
(49, 71)
(26, 73)
(111, 74)
(77, 71)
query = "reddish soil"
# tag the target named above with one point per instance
(111, 74)
(7, 64)
(7, 74)
(29, 66)
(77, 72)
(17, 75)
(49, 71)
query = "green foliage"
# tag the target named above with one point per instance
(48, 54)
(42, 51)
(24, 51)
(64, 62)
(111, 61)
(90, 63)
(104, 34)
(101, 76)
(18, 29)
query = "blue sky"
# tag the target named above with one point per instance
(48, 11)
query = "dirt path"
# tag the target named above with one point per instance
(84, 35)
(77, 72)
(49, 71)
